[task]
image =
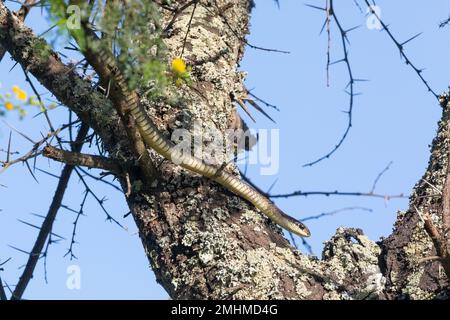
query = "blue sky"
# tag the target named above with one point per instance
(394, 120)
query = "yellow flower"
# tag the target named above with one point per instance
(9, 105)
(15, 89)
(178, 66)
(21, 95)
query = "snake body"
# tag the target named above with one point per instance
(155, 140)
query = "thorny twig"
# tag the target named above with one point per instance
(34, 151)
(262, 101)
(330, 13)
(400, 46)
(100, 179)
(101, 202)
(243, 40)
(79, 213)
(300, 193)
(47, 224)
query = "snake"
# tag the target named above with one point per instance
(154, 139)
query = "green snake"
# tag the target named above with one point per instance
(155, 140)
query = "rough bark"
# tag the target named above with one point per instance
(205, 243)
(404, 252)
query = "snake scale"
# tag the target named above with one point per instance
(155, 140)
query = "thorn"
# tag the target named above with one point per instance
(410, 39)
(20, 250)
(315, 7)
(9, 147)
(272, 185)
(338, 61)
(351, 29)
(31, 172)
(323, 26)
(244, 107)
(17, 131)
(257, 107)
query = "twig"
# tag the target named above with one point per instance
(401, 49)
(375, 182)
(262, 101)
(328, 22)
(75, 224)
(176, 14)
(34, 151)
(100, 179)
(432, 186)
(100, 202)
(330, 12)
(300, 193)
(331, 213)
(4, 262)
(439, 241)
(243, 40)
(47, 224)
(189, 27)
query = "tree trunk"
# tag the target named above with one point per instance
(202, 241)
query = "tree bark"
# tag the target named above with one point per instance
(202, 241)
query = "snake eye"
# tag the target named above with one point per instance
(305, 230)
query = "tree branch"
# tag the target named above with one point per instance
(47, 224)
(21, 15)
(81, 159)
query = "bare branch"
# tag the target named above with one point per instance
(100, 178)
(401, 49)
(79, 213)
(330, 12)
(300, 193)
(81, 159)
(34, 151)
(262, 101)
(219, 12)
(47, 224)
(375, 182)
(331, 213)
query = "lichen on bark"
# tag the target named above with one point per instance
(408, 275)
